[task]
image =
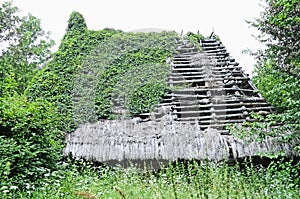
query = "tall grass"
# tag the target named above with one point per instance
(191, 180)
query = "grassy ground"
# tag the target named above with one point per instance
(205, 180)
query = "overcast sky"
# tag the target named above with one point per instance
(226, 18)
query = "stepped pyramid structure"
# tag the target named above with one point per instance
(213, 89)
(210, 92)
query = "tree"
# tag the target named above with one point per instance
(24, 46)
(30, 142)
(278, 67)
(280, 25)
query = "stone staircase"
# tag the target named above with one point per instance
(210, 89)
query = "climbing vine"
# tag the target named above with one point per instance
(55, 82)
(122, 54)
(139, 90)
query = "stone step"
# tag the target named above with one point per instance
(208, 122)
(175, 70)
(181, 96)
(185, 91)
(217, 51)
(223, 69)
(202, 78)
(224, 122)
(217, 106)
(190, 74)
(195, 90)
(186, 48)
(205, 41)
(228, 59)
(243, 110)
(182, 61)
(180, 57)
(203, 73)
(235, 99)
(186, 81)
(177, 103)
(185, 101)
(227, 63)
(212, 47)
(213, 116)
(218, 56)
(185, 77)
(189, 53)
(182, 64)
(217, 120)
(216, 126)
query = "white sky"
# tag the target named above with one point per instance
(226, 18)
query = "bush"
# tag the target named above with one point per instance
(30, 142)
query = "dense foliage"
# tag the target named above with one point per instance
(279, 25)
(76, 23)
(122, 54)
(277, 71)
(138, 90)
(24, 47)
(81, 78)
(193, 180)
(55, 81)
(145, 97)
(30, 143)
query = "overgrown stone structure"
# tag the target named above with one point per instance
(211, 91)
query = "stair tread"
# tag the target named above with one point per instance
(221, 105)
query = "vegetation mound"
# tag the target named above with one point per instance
(86, 76)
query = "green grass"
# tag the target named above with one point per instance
(205, 180)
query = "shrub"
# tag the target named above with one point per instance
(30, 142)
